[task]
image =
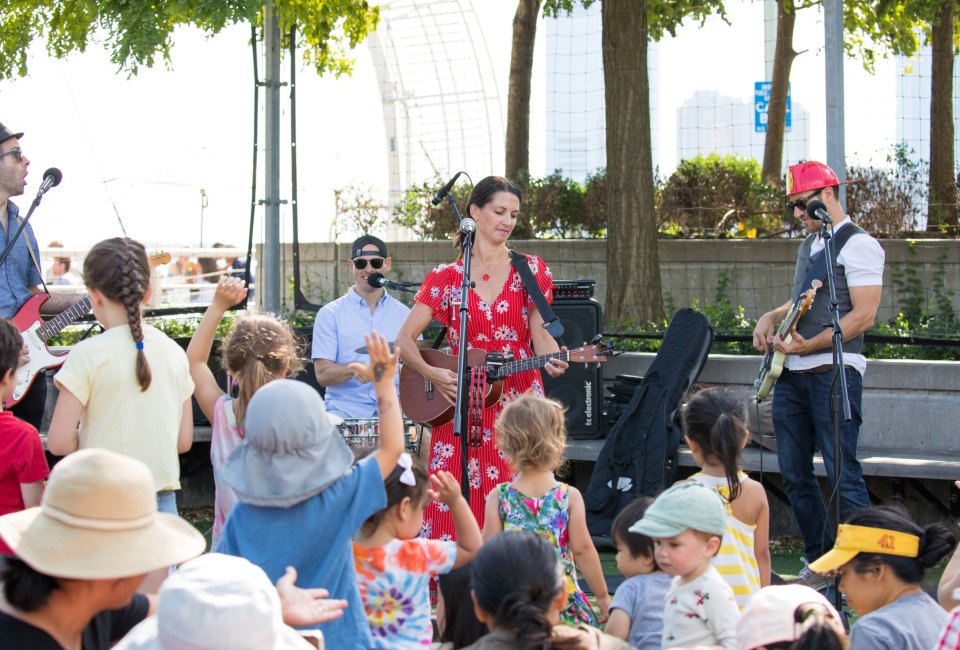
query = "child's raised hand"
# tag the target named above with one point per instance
(229, 292)
(444, 487)
(383, 362)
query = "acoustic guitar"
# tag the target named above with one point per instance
(422, 402)
(771, 367)
(36, 332)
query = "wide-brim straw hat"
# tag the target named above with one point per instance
(97, 520)
(216, 601)
(291, 451)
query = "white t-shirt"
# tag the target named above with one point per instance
(862, 258)
(117, 415)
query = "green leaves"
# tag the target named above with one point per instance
(139, 32)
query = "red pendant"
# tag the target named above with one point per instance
(486, 277)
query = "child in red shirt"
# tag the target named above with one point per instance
(23, 464)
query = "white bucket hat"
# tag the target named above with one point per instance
(216, 601)
(771, 615)
(291, 449)
(98, 519)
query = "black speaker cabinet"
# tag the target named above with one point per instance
(580, 389)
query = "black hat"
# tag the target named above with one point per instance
(6, 134)
(356, 248)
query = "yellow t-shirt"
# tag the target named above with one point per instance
(101, 373)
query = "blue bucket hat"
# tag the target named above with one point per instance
(291, 449)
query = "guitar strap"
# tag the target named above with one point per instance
(550, 321)
(818, 270)
(26, 240)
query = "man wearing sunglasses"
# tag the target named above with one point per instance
(802, 398)
(19, 275)
(341, 325)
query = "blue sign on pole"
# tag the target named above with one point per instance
(761, 100)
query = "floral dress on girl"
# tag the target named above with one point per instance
(501, 325)
(548, 517)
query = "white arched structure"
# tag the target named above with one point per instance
(441, 103)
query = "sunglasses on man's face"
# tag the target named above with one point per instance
(802, 203)
(16, 152)
(361, 263)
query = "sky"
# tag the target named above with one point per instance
(139, 150)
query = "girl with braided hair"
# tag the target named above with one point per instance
(129, 387)
(258, 349)
(518, 592)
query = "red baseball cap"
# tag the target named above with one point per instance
(811, 175)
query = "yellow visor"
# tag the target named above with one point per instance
(852, 540)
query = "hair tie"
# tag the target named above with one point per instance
(406, 477)
(140, 345)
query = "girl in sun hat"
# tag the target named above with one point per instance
(301, 497)
(790, 617)
(880, 554)
(216, 601)
(83, 552)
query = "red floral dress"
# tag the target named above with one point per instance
(502, 326)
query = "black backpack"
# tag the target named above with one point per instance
(639, 457)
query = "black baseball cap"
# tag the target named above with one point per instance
(6, 134)
(356, 248)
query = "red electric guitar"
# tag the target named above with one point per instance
(36, 332)
(423, 403)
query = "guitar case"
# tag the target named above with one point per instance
(639, 457)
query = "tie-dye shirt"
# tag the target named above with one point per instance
(394, 586)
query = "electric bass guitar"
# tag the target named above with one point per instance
(772, 365)
(36, 332)
(422, 402)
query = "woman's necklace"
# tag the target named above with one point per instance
(486, 277)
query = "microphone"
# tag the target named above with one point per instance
(818, 210)
(51, 178)
(376, 280)
(443, 191)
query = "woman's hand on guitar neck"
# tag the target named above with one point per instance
(556, 366)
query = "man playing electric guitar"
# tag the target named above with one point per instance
(19, 276)
(801, 401)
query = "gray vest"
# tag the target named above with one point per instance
(818, 316)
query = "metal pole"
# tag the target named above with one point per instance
(270, 284)
(833, 50)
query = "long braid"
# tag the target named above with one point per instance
(132, 290)
(119, 269)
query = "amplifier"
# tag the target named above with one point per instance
(573, 289)
(580, 388)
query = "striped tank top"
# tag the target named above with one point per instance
(736, 561)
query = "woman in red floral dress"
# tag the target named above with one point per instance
(502, 317)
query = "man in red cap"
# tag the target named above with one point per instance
(802, 401)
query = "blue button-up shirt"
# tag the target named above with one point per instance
(339, 331)
(17, 273)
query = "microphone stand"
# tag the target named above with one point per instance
(839, 399)
(23, 224)
(467, 226)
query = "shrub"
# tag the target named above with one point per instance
(889, 201)
(719, 196)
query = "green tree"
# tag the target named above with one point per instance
(872, 29)
(139, 33)
(880, 27)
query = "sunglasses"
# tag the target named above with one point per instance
(361, 263)
(802, 203)
(16, 152)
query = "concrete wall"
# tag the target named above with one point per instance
(760, 271)
(907, 405)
